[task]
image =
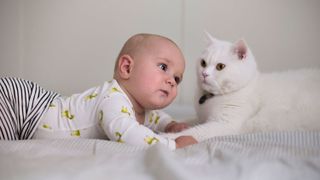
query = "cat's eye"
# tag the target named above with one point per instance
(203, 63)
(220, 66)
(164, 67)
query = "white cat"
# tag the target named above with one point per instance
(233, 97)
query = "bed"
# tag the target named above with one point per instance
(272, 155)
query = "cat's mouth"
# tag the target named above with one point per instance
(204, 81)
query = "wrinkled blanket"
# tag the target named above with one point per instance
(280, 155)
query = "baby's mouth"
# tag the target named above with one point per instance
(164, 92)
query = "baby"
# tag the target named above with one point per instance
(147, 72)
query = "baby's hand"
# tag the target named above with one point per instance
(174, 127)
(183, 141)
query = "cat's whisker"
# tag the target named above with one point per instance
(231, 106)
(219, 88)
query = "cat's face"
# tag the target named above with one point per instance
(225, 67)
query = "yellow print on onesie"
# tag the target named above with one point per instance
(154, 117)
(119, 136)
(52, 105)
(113, 90)
(46, 126)
(150, 117)
(75, 133)
(125, 110)
(151, 140)
(91, 96)
(67, 115)
(100, 118)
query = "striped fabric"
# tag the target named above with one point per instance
(22, 103)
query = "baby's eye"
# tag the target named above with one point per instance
(164, 67)
(203, 63)
(177, 79)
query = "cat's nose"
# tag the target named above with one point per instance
(204, 74)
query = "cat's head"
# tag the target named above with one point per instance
(225, 67)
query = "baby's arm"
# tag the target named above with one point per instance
(167, 125)
(117, 119)
(174, 127)
(163, 122)
(183, 141)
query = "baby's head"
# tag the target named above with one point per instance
(149, 68)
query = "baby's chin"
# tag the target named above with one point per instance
(159, 105)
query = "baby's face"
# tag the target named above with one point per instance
(156, 75)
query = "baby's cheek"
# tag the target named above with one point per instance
(174, 93)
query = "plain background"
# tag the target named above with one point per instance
(69, 46)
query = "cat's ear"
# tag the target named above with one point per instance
(210, 38)
(241, 49)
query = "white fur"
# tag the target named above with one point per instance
(248, 101)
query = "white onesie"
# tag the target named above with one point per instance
(102, 112)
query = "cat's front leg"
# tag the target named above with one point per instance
(207, 130)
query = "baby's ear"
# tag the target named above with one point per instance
(125, 66)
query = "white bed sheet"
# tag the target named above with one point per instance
(281, 155)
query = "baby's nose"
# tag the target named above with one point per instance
(171, 81)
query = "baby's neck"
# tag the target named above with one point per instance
(140, 117)
(139, 111)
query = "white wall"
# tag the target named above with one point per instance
(10, 38)
(283, 34)
(71, 45)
